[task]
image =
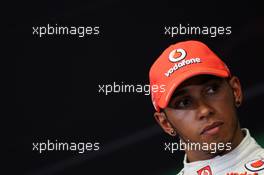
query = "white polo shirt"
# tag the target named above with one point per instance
(246, 159)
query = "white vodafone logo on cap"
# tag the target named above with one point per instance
(182, 56)
(179, 61)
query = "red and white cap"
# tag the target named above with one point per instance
(179, 62)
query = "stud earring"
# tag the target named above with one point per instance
(238, 103)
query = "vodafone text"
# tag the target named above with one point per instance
(182, 64)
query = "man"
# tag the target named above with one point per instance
(198, 103)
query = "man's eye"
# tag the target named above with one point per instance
(183, 103)
(212, 89)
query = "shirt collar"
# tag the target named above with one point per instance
(219, 163)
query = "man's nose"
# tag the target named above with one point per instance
(204, 110)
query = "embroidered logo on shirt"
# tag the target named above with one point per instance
(205, 171)
(255, 165)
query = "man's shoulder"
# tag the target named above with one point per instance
(181, 172)
(260, 152)
(256, 165)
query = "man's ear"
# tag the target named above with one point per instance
(237, 90)
(164, 123)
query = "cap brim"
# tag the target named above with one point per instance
(177, 80)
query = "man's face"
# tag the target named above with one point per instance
(202, 109)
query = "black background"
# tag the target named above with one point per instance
(57, 80)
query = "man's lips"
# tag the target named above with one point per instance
(212, 128)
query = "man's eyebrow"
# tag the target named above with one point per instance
(179, 92)
(182, 92)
